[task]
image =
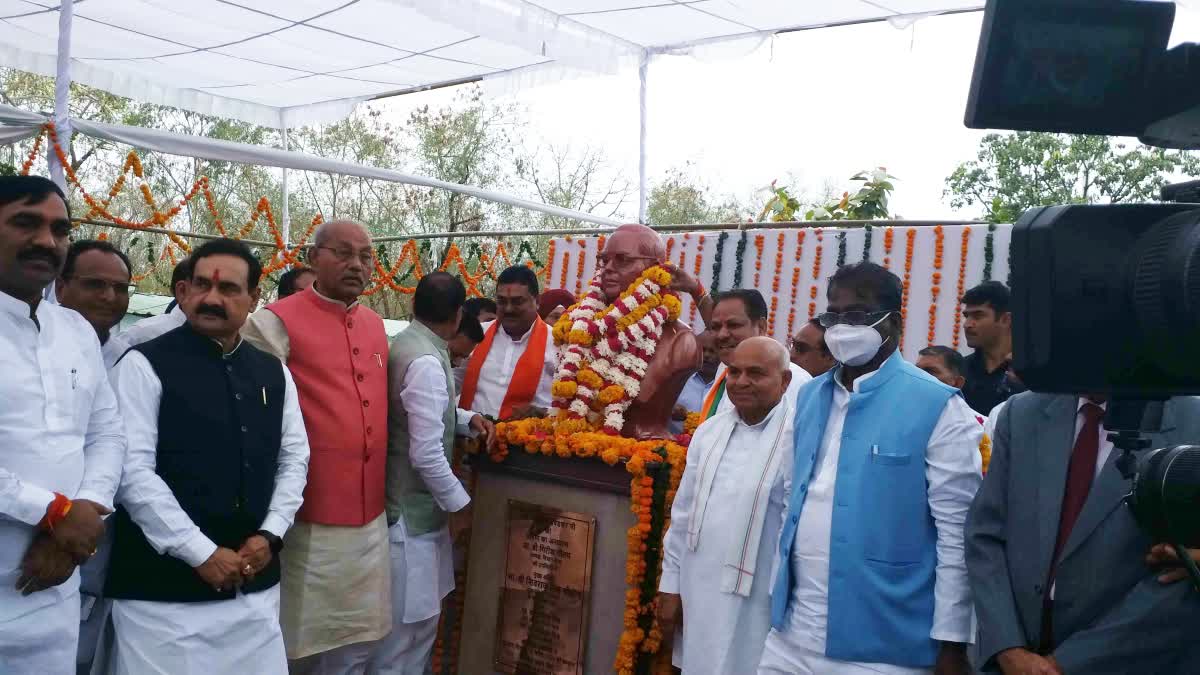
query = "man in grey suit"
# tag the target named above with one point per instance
(1057, 564)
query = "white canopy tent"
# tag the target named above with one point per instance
(289, 63)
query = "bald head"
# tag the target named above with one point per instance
(342, 259)
(757, 377)
(340, 230)
(628, 251)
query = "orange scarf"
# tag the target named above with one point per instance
(526, 376)
(713, 399)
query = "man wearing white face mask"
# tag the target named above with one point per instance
(870, 570)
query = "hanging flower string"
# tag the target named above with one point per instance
(739, 256)
(775, 284)
(868, 231)
(696, 273)
(718, 263)
(911, 235)
(758, 256)
(962, 284)
(841, 251)
(795, 283)
(989, 251)
(816, 273)
(939, 250)
(889, 237)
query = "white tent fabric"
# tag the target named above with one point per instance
(17, 124)
(283, 63)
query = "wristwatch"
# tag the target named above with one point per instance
(274, 542)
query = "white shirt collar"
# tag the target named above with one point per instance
(18, 308)
(858, 383)
(331, 300)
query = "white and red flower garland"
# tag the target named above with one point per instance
(606, 349)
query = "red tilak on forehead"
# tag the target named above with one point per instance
(216, 276)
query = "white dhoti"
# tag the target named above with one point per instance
(241, 635)
(335, 590)
(38, 633)
(422, 574)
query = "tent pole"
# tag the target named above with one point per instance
(62, 93)
(643, 184)
(285, 217)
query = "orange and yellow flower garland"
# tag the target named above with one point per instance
(795, 283)
(939, 249)
(962, 283)
(908, 260)
(775, 285)
(889, 237)
(759, 244)
(696, 271)
(816, 274)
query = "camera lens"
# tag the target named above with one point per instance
(1165, 287)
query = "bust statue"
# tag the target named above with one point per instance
(628, 252)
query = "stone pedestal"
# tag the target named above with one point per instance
(588, 489)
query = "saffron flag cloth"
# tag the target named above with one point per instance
(526, 376)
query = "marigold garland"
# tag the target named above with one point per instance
(816, 273)
(795, 283)
(939, 249)
(696, 273)
(580, 272)
(775, 284)
(908, 259)
(759, 245)
(550, 258)
(962, 284)
(985, 451)
(889, 237)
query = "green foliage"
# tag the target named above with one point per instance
(1016, 171)
(869, 201)
(681, 199)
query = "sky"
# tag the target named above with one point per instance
(804, 108)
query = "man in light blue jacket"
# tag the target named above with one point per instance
(870, 573)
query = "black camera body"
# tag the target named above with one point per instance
(1106, 298)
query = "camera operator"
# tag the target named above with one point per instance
(1075, 592)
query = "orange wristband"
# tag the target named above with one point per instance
(56, 512)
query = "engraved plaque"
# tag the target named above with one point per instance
(542, 620)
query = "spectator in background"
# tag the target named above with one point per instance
(553, 303)
(470, 334)
(944, 363)
(483, 309)
(150, 328)
(95, 281)
(182, 272)
(809, 350)
(692, 397)
(989, 332)
(296, 280)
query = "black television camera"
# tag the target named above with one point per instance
(1106, 298)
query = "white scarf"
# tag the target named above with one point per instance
(742, 558)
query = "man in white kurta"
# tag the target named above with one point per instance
(425, 498)
(725, 519)
(60, 432)
(738, 315)
(226, 630)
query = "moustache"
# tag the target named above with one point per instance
(49, 255)
(212, 310)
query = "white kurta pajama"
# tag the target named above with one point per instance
(59, 432)
(422, 565)
(952, 477)
(497, 372)
(723, 631)
(241, 635)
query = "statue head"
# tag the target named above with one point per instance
(629, 251)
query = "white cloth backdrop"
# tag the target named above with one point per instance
(574, 264)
